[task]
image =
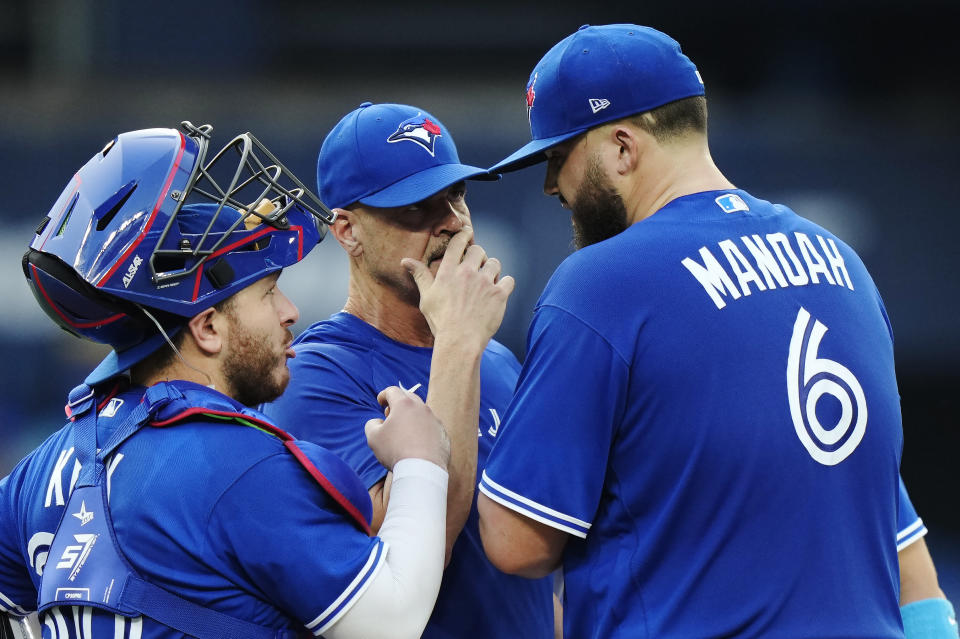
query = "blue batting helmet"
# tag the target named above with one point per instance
(150, 223)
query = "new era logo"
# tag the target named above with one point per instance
(598, 104)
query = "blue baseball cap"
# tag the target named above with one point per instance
(597, 75)
(389, 155)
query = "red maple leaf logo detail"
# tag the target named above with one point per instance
(431, 127)
(531, 94)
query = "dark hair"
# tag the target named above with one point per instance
(674, 119)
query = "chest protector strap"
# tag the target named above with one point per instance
(90, 569)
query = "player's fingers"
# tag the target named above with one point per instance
(492, 268)
(507, 284)
(388, 395)
(419, 272)
(474, 257)
(455, 249)
(371, 427)
(394, 395)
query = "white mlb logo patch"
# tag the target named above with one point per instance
(110, 410)
(730, 203)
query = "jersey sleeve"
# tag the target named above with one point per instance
(18, 596)
(503, 362)
(909, 525)
(328, 402)
(551, 455)
(276, 529)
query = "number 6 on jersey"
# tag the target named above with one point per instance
(809, 378)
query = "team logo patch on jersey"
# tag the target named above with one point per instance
(598, 104)
(110, 410)
(419, 129)
(731, 203)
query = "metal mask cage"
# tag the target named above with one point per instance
(257, 176)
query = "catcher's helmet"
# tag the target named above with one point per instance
(150, 223)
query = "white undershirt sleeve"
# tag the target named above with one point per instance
(400, 597)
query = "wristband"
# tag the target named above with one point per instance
(929, 619)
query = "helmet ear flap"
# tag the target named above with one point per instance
(78, 307)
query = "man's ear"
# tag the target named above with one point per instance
(346, 230)
(631, 144)
(207, 330)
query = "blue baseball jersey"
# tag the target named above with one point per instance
(909, 525)
(214, 511)
(708, 407)
(342, 363)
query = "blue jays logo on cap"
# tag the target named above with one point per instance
(531, 95)
(419, 129)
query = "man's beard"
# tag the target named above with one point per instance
(598, 210)
(255, 373)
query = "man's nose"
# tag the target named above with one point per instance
(451, 220)
(289, 313)
(550, 181)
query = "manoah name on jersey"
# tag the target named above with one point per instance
(767, 262)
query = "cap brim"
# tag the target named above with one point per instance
(422, 185)
(116, 363)
(532, 152)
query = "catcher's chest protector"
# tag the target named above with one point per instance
(85, 565)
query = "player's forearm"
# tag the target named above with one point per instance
(516, 544)
(454, 396)
(398, 601)
(379, 498)
(918, 575)
(924, 609)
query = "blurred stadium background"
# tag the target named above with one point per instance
(844, 110)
